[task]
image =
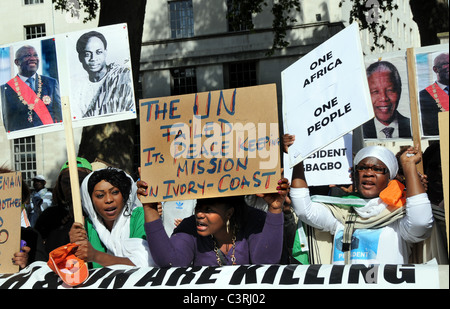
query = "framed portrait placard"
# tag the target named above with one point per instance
(92, 68)
(387, 76)
(432, 66)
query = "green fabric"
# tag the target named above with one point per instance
(136, 231)
(297, 249)
(344, 201)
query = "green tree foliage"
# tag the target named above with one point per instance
(88, 6)
(281, 10)
(368, 13)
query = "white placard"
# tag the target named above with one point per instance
(331, 164)
(326, 94)
(328, 166)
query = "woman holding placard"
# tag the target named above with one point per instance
(223, 231)
(380, 221)
(114, 229)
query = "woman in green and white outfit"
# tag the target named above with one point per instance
(114, 227)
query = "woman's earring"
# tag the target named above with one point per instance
(228, 226)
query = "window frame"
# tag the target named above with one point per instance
(24, 154)
(185, 18)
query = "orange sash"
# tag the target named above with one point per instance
(29, 96)
(439, 95)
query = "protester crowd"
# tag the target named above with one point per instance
(384, 217)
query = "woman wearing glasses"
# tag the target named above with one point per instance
(378, 222)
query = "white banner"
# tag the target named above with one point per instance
(261, 277)
(326, 94)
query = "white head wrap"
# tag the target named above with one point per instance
(118, 241)
(382, 154)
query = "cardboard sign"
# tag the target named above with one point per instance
(10, 209)
(325, 94)
(219, 143)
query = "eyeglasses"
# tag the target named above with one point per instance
(376, 169)
(28, 56)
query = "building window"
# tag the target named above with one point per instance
(238, 21)
(34, 31)
(242, 74)
(181, 19)
(28, 2)
(25, 157)
(184, 81)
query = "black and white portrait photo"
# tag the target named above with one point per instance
(100, 73)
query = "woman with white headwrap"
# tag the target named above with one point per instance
(379, 222)
(114, 230)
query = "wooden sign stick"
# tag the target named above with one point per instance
(415, 123)
(444, 140)
(73, 169)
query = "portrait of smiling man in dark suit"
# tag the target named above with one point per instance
(30, 99)
(385, 87)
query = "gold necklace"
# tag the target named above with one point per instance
(216, 250)
(29, 105)
(38, 94)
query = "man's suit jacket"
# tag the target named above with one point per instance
(15, 113)
(404, 127)
(429, 111)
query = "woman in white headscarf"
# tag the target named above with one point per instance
(379, 222)
(114, 227)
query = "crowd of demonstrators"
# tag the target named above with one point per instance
(376, 220)
(41, 199)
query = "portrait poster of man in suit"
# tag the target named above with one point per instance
(388, 85)
(30, 93)
(433, 85)
(101, 81)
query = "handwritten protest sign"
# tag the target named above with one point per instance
(219, 143)
(325, 94)
(10, 208)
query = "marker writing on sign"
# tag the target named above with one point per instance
(172, 188)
